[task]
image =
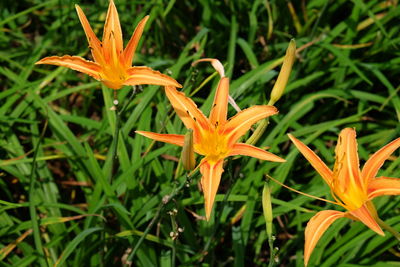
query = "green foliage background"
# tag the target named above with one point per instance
(335, 84)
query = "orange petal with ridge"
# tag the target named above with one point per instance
(210, 180)
(347, 158)
(76, 63)
(375, 162)
(314, 160)
(255, 152)
(146, 75)
(316, 227)
(219, 108)
(383, 186)
(187, 110)
(366, 217)
(239, 124)
(94, 42)
(112, 34)
(130, 48)
(175, 139)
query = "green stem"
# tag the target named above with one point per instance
(262, 126)
(271, 251)
(118, 114)
(166, 199)
(389, 229)
(32, 208)
(115, 144)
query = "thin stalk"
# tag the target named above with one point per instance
(272, 252)
(166, 199)
(32, 208)
(115, 143)
(174, 237)
(118, 114)
(258, 132)
(389, 229)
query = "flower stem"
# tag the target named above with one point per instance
(258, 132)
(166, 199)
(118, 114)
(389, 229)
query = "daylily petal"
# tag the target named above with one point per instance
(94, 43)
(146, 75)
(219, 108)
(76, 63)
(366, 217)
(252, 151)
(130, 48)
(175, 139)
(314, 160)
(383, 186)
(239, 124)
(112, 34)
(375, 162)
(348, 170)
(210, 180)
(316, 227)
(187, 110)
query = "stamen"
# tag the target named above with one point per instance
(301, 193)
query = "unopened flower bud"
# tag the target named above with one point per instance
(267, 207)
(187, 156)
(284, 74)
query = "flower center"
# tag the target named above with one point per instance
(213, 145)
(345, 189)
(113, 76)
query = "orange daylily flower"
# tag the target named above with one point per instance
(215, 137)
(112, 64)
(351, 188)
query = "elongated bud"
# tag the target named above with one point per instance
(187, 156)
(284, 74)
(267, 207)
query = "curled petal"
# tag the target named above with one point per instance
(315, 229)
(239, 124)
(175, 139)
(375, 162)
(366, 216)
(215, 63)
(314, 160)
(210, 180)
(219, 108)
(383, 186)
(255, 152)
(146, 75)
(130, 48)
(76, 63)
